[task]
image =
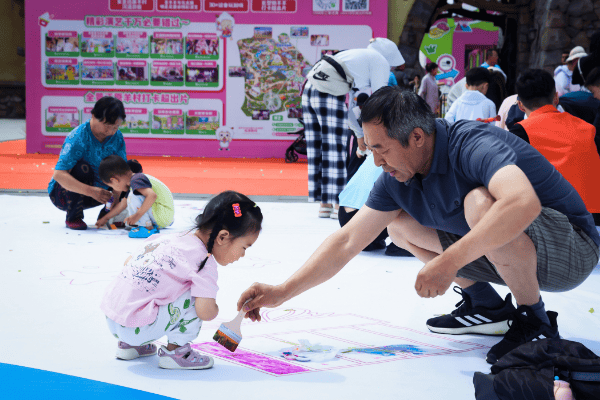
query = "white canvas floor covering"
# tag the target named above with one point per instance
(54, 279)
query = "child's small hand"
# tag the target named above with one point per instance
(101, 222)
(132, 219)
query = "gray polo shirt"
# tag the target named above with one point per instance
(466, 156)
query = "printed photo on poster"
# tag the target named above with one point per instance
(132, 45)
(167, 121)
(299, 31)
(263, 32)
(355, 5)
(97, 44)
(319, 40)
(136, 121)
(62, 44)
(294, 112)
(61, 119)
(237, 72)
(326, 6)
(201, 46)
(132, 72)
(166, 45)
(328, 52)
(261, 115)
(97, 72)
(166, 73)
(62, 71)
(201, 122)
(284, 40)
(202, 74)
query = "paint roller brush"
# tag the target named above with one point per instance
(229, 334)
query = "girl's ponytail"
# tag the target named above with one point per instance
(211, 240)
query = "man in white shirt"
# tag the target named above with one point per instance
(564, 73)
(473, 104)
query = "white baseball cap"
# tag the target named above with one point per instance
(387, 49)
(576, 53)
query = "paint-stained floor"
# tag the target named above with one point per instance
(369, 313)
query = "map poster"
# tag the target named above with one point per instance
(274, 67)
(211, 78)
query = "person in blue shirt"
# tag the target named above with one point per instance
(75, 184)
(477, 205)
(491, 61)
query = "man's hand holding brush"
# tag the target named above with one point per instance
(262, 295)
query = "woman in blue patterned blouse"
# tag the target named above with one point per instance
(75, 185)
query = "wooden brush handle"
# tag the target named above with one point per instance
(241, 314)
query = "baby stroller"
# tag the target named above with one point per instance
(298, 146)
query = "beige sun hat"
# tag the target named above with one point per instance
(576, 53)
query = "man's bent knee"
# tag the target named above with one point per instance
(398, 228)
(406, 230)
(477, 203)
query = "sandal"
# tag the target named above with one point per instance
(127, 352)
(184, 357)
(325, 212)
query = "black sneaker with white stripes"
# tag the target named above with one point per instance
(524, 327)
(469, 319)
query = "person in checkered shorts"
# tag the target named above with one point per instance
(325, 116)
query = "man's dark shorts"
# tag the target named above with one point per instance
(566, 255)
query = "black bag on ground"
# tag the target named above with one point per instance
(527, 372)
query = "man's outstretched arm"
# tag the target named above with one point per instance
(329, 258)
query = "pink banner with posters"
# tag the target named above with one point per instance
(187, 71)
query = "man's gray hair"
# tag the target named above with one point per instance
(399, 111)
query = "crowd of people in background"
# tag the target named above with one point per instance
(482, 95)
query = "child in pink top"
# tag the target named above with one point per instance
(169, 286)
